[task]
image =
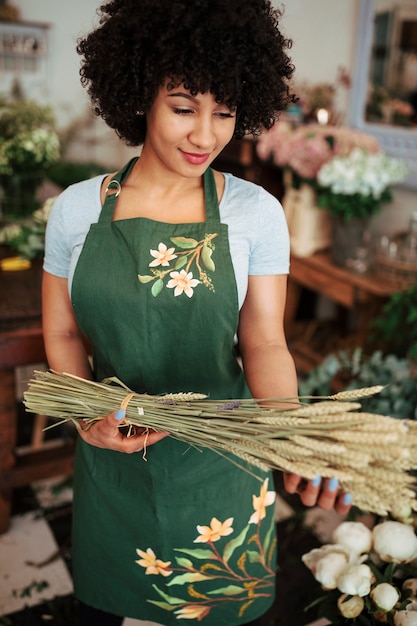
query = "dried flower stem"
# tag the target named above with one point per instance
(369, 454)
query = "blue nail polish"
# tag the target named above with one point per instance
(120, 414)
(347, 498)
(316, 481)
(333, 484)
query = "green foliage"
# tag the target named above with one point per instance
(396, 326)
(24, 116)
(65, 173)
(397, 399)
(348, 207)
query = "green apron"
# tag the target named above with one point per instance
(183, 533)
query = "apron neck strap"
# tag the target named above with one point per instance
(210, 197)
(115, 186)
(113, 190)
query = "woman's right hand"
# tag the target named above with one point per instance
(106, 433)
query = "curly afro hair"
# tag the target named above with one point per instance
(231, 48)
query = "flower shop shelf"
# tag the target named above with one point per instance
(21, 344)
(362, 294)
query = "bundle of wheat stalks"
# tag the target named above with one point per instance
(370, 454)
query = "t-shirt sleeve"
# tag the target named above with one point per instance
(270, 253)
(57, 250)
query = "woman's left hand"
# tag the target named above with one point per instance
(324, 493)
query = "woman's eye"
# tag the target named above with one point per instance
(182, 111)
(225, 114)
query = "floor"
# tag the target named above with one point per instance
(35, 559)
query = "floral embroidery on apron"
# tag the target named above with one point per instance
(224, 563)
(190, 252)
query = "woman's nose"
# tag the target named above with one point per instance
(202, 134)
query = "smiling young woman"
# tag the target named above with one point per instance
(165, 266)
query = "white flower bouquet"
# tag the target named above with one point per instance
(369, 575)
(357, 184)
(27, 236)
(31, 150)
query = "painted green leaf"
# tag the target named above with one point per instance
(145, 279)
(230, 590)
(198, 553)
(162, 605)
(231, 546)
(170, 599)
(157, 287)
(180, 262)
(185, 243)
(269, 534)
(206, 253)
(184, 562)
(192, 577)
(254, 557)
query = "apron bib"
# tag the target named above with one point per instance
(184, 533)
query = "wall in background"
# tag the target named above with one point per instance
(323, 34)
(317, 58)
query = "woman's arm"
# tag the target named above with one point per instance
(268, 365)
(270, 371)
(65, 352)
(64, 346)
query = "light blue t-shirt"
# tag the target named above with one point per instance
(258, 233)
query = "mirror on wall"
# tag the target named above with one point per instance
(384, 81)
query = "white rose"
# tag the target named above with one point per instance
(350, 608)
(355, 580)
(408, 617)
(385, 596)
(355, 536)
(395, 542)
(327, 563)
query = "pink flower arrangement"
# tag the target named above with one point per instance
(304, 149)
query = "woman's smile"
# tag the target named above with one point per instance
(195, 158)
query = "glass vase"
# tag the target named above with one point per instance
(350, 244)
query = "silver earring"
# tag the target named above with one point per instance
(140, 112)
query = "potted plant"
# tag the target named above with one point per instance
(399, 313)
(353, 187)
(354, 369)
(29, 144)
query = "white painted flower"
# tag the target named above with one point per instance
(327, 564)
(355, 536)
(350, 607)
(395, 542)
(265, 498)
(407, 617)
(385, 596)
(162, 256)
(355, 580)
(182, 282)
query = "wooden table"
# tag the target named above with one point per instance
(363, 294)
(21, 343)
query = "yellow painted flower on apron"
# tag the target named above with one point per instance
(223, 564)
(186, 253)
(152, 564)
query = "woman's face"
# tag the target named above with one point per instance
(186, 133)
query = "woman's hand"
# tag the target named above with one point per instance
(323, 493)
(107, 434)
